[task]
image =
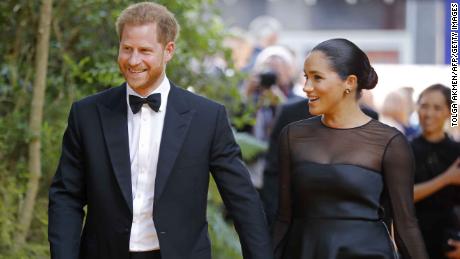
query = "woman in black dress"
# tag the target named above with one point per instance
(340, 169)
(437, 174)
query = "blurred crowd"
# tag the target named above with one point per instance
(272, 86)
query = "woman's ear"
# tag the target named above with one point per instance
(351, 82)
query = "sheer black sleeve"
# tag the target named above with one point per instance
(284, 214)
(398, 172)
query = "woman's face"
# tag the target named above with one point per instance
(323, 86)
(433, 112)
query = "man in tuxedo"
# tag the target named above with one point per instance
(138, 156)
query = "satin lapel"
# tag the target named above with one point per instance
(177, 121)
(113, 114)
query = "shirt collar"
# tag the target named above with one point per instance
(162, 89)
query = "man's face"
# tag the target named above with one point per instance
(142, 58)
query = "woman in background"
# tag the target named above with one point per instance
(437, 175)
(338, 170)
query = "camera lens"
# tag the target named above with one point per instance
(267, 78)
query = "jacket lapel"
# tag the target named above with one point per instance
(113, 115)
(177, 121)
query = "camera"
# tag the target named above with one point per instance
(267, 78)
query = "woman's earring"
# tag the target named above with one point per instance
(347, 91)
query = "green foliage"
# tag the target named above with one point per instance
(225, 241)
(82, 61)
(251, 147)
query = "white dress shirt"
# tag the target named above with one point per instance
(145, 129)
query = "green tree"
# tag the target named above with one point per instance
(35, 122)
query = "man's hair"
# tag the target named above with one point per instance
(147, 12)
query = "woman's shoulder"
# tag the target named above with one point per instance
(312, 122)
(381, 134)
(384, 129)
(302, 127)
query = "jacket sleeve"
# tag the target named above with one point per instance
(67, 195)
(239, 195)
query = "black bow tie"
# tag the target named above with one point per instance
(136, 102)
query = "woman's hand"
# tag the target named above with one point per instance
(454, 254)
(450, 177)
(452, 174)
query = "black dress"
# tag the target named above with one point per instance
(289, 112)
(334, 184)
(435, 213)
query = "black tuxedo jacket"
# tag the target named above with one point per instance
(94, 170)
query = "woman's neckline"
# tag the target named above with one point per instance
(355, 127)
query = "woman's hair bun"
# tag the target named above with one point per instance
(372, 79)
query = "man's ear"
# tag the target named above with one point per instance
(169, 49)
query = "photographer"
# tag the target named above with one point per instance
(270, 85)
(268, 99)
